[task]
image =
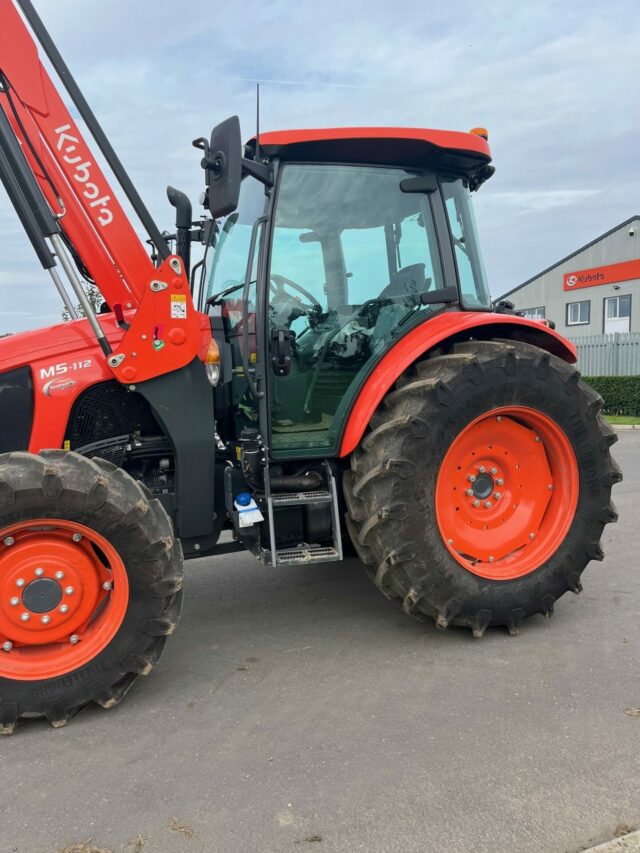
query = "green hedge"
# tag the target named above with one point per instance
(621, 394)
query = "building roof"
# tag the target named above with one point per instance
(568, 257)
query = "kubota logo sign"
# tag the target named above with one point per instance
(67, 144)
(585, 279)
(610, 274)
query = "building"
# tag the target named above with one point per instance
(593, 291)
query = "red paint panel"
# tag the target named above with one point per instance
(610, 274)
(452, 139)
(423, 338)
(166, 331)
(57, 383)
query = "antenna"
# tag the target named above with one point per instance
(257, 120)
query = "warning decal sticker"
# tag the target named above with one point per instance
(178, 306)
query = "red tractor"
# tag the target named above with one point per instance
(330, 375)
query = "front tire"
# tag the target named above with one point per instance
(90, 584)
(481, 490)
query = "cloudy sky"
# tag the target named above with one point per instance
(555, 83)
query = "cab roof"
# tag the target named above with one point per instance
(398, 146)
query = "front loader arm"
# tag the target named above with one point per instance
(47, 168)
(93, 220)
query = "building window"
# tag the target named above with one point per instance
(617, 313)
(579, 313)
(534, 313)
(618, 307)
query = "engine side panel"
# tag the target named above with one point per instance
(16, 409)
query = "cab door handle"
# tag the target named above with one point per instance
(281, 350)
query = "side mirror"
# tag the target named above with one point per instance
(222, 163)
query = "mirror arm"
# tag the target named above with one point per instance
(262, 173)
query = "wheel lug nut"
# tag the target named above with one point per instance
(470, 492)
(59, 576)
(45, 620)
(494, 470)
(77, 537)
(73, 639)
(499, 419)
(532, 536)
(449, 541)
(20, 582)
(482, 469)
(64, 608)
(488, 504)
(24, 617)
(500, 481)
(476, 503)
(472, 478)
(491, 559)
(7, 646)
(9, 541)
(14, 602)
(537, 438)
(498, 495)
(107, 585)
(550, 487)
(39, 573)
(69, 590)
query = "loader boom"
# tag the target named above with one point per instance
(71, 180)
(49, 170)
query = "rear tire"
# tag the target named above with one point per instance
(122, 535)
(403, 477)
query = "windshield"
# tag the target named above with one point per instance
(471, 274)
(231, 246)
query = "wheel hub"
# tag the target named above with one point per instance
(63, 595)
(483, 486)
(506, 492)
(42, 595)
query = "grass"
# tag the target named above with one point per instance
(622, 419)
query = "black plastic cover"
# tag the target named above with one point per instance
(16, 409)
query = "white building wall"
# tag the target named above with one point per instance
(547, 289)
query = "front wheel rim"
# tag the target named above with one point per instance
(64, 593)
(507, 492)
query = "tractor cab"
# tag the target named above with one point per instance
(339, 242)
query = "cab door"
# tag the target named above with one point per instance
(351, 254)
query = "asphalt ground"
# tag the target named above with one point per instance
(298, 709)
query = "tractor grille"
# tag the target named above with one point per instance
(108, 410)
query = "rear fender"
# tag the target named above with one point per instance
(433, 333)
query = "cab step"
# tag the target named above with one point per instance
(298, 498)
(304, 554)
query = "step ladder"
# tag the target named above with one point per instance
(304, 553)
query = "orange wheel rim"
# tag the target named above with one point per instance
(63, 596)
(507, 492)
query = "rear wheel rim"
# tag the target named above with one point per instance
(507, 492)
(64, 593)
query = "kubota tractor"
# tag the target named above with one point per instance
(331, 374)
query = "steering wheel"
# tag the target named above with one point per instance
(277, 286)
